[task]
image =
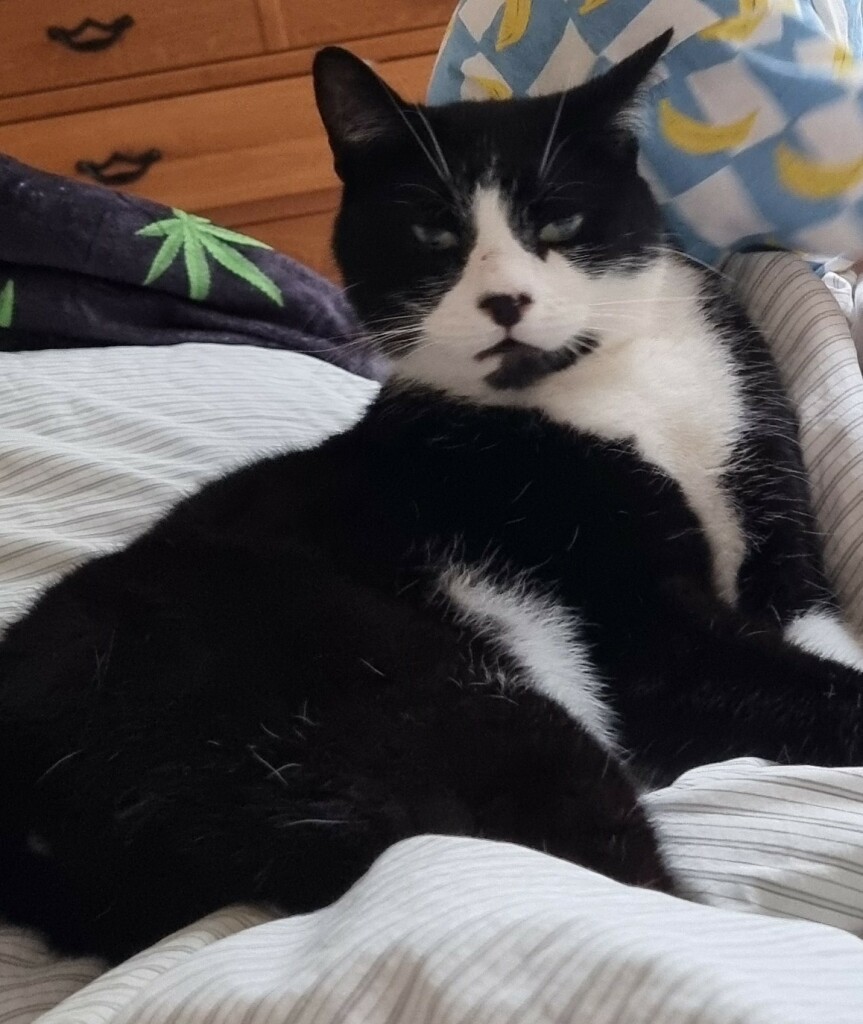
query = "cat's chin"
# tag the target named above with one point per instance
(522, 364)
(508, 365)
(507, 346)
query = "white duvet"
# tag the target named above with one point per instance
(95, 443)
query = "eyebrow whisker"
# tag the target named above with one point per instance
(544, 163)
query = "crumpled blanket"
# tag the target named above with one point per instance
(81, 265)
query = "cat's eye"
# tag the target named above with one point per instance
(435, 238)
(559, 232)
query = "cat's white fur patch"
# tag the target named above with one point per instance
(661, 375)
(540, 636)
(822, 632)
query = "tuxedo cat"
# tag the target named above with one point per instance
(567, 552)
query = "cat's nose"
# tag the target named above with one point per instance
(505, 310)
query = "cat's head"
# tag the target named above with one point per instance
(488, 244)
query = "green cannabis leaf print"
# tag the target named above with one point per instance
(7, 304)
(200, 241)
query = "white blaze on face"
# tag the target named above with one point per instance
(499, 263)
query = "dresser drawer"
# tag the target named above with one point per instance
(37, 52)
(218, 149)
(306, 238)
(303, 23)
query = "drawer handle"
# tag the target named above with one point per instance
(139, 163)
(113, 30)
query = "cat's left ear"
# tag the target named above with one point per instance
(617, 92)
(357, 107)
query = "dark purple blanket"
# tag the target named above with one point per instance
(84, 266)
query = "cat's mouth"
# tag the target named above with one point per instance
(505, 347)
(522, 364)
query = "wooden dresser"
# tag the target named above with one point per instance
(205, 105)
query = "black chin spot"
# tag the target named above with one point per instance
(524, 365)
(520, 370)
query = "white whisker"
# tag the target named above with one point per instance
(544, 164)
(440, 169)
(434, 140)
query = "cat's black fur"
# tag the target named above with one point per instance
(265, 690)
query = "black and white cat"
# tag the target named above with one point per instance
(568, 546)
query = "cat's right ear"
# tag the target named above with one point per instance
(356, 106)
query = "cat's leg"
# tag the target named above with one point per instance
(268, 818)
(279, 778)
(821, 631)
(782, 581)
(699, 684)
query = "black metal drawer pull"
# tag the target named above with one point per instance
(113, 30)
(137, 166)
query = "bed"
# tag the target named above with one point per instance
(96, 442)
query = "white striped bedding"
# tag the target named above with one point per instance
(94, 443)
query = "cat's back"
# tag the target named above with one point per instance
(305, 557)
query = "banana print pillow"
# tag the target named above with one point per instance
(753, 132)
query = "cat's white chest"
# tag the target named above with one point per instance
(678, 397)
